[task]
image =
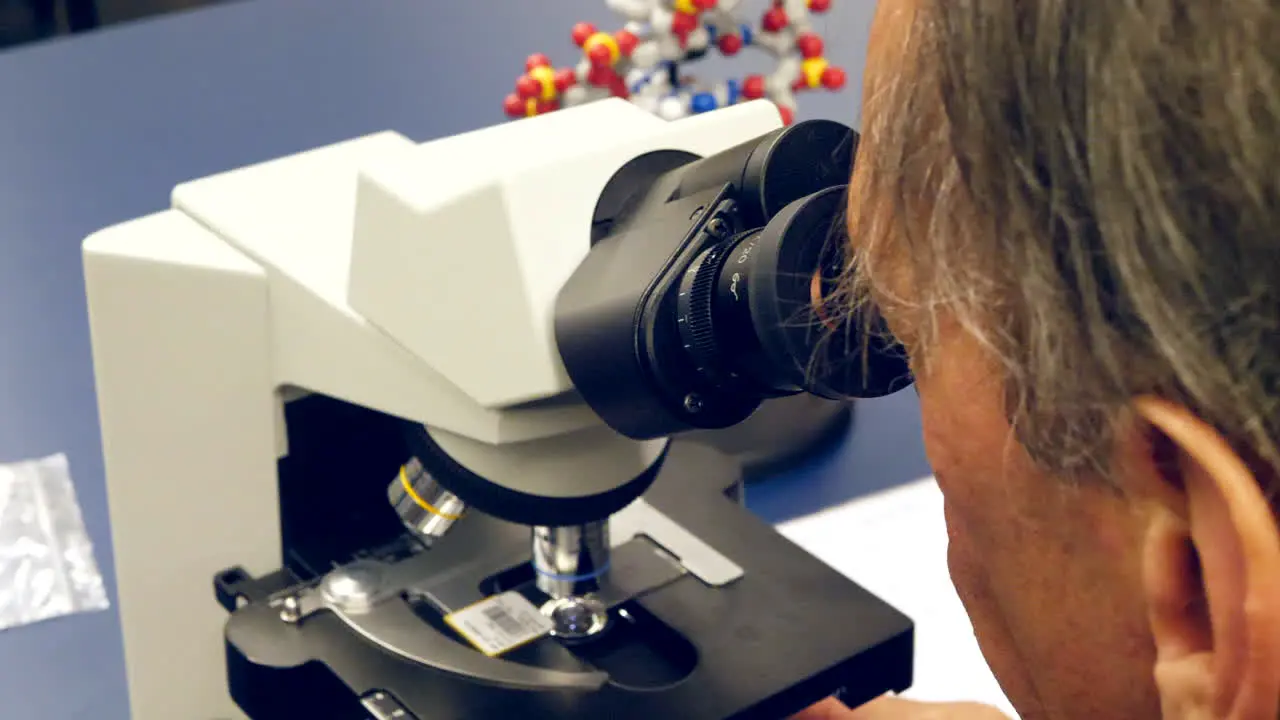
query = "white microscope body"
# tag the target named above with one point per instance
(418, 280)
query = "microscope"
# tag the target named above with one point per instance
(393, 430)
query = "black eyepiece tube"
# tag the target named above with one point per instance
(702, 295)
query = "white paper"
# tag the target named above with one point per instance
(894, 544)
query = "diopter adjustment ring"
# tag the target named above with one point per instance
(694, 310)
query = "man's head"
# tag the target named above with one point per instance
(1069, 212)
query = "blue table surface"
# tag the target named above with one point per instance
(97, 129)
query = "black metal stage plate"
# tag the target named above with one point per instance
(788, 633)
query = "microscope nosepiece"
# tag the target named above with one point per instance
(424, 506)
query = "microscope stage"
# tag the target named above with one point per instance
(785, 634)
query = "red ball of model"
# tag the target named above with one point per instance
(809, 45)
(729, 44)
(528, 87)
(705, 4)
(753, 87)
(833, 78)
(787, 116)
(627, 42)
(566, 78)
(775, 20)
(819, 6)
(601, 76)
(581, 32)
(682, 24)
(514, 106)
(599, 55)
(536, 60)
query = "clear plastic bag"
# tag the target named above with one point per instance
(47, 566)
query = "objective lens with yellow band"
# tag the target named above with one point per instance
(423, 505)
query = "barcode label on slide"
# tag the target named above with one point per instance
(499, 616)
(500, 623)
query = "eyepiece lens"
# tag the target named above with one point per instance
(761, 317)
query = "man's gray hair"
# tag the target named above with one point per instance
(1092, 188)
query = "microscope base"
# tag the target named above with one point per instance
(785, 634)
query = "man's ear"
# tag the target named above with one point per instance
(1211, 569)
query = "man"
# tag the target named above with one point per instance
(1069, 213)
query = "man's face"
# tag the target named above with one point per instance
(1048, 570)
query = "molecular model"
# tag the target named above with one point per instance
(644, 61)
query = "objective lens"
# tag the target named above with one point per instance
(424, 506)
(571, 560)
